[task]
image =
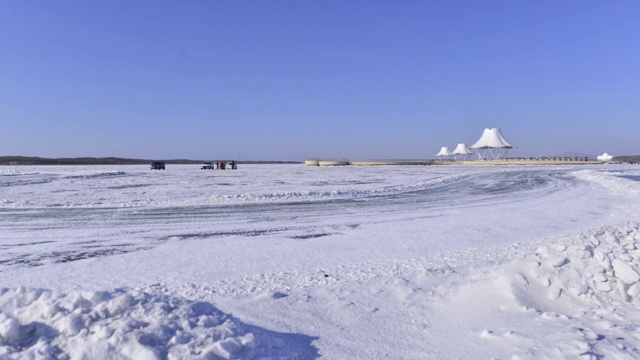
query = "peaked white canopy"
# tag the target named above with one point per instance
(444, 151)
(504, 141)
(461, 150)
(492, 139)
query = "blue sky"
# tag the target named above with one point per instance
(287, 80)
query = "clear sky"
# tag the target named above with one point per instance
(287, 80)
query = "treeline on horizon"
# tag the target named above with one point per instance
(29, 160)
(32, 160)
(633, 159)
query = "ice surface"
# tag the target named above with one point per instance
(287, 261)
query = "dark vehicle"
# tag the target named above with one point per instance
(207, 166)
(157, 165)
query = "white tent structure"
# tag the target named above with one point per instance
(605, 157)
(494, 142)
(461, 150)
(444, 151)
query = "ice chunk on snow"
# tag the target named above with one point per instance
(9, 328)
(74, 324)
(625, 272)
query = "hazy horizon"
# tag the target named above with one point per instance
(433, 157)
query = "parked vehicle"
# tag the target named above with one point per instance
(157, 165)
(208, 166)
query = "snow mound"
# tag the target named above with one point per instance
(15, 172)
(130, 324)
(577, 299)
(25, 179)
(98, 175)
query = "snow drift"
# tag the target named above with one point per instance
(577, 298)
(130, 324)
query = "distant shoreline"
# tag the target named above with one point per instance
(502, 162)
(28, 160)
(33, 160)
(558, 160)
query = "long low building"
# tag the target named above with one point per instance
(333, 162)
(399, 162)
(344, 162)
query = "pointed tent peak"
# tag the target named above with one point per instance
(492, 138)
(444, 151)
(484, 139)
(462, 149)
(504, 141)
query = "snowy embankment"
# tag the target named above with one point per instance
(579, 298)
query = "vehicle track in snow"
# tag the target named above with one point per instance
(36, 235)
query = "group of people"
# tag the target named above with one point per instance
(221, 165)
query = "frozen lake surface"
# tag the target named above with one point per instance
(288, 261)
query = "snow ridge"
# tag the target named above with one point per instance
(50, 179)
(337, 193)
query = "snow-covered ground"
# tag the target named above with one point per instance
(295, 262)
